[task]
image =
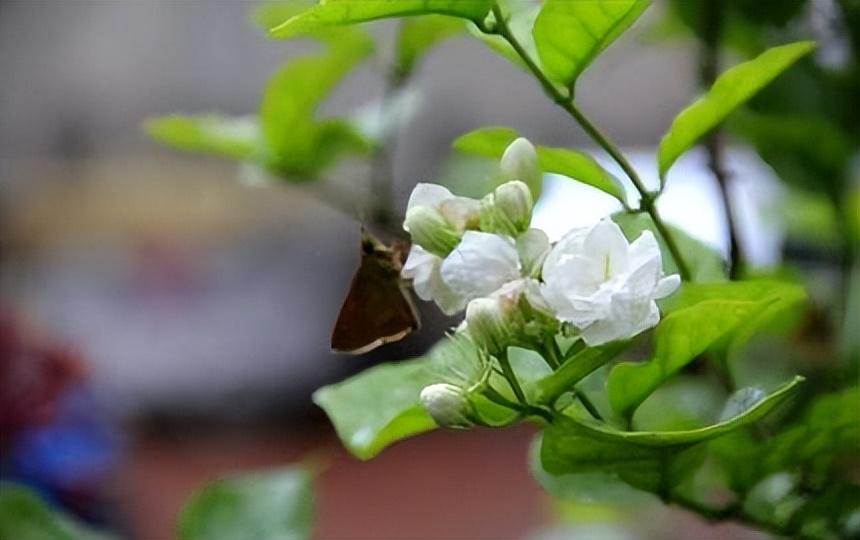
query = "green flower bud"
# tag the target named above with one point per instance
(507, 210)
(447, 404)
(431, 231)
(520, 162)
(487, 321)
(514, 199)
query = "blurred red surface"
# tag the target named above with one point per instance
(440, 486)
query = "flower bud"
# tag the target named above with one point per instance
(431, 231)
(514, 199)
(447, 404)
(507, 210)
(520, 162)
(486, 319)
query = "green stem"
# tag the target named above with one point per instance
(552, 354)
(566, 103)
(574, 369)
(493, 395)
(512, 377)
(588, 404)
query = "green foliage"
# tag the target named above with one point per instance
(275, 505)
(286, 137)
(570, 35)
(24, 516)
(705, 263)
(520, 16)
(595, 487)
(298, 144)
(492, 141)
(420, 34)
(731, 90)
(379, 406)
(340, 12)
(650, 460)
(236, 138)
(270, 14)
(712, 316)
(805, 151)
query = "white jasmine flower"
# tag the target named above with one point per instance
(533, 247)
(459, 212)
(480, 264)
(422, 267)
(447, 404)
(604, 286)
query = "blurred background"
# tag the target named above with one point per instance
(165, 322)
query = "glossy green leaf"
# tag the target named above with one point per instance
(705, 263)
(379, 406)
(492, 142)
(595, 487)
(570, 34)
(339, 12)
(236, 137)
(649, 460)
(520, 16)
(417, 36)
(271, 505)
(731, 90)
(755, 411)
(785, 301)
(24, 516)
(568, 449)
(723, 313)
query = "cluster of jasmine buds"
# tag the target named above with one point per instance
(515, 286)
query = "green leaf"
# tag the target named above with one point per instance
(297, 144)
(754, 412)
(731, 90)
(268, 15)
(571, 34)
(236, 138)
(379, 406)
(722, 313)
(705, 263)
(649, 460)
(568, 449)
(273, 505)
(584, 487)
(339, 12)
(24, 516)
(492, 141)
(418, 36)
(830, 429)
(520, 16)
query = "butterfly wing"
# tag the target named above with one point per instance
(377, 310)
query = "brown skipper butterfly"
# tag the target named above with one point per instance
(378, 308)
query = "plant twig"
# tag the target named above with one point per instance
(588, 404)
(565, 101)
(511, 377)
(710, 64)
